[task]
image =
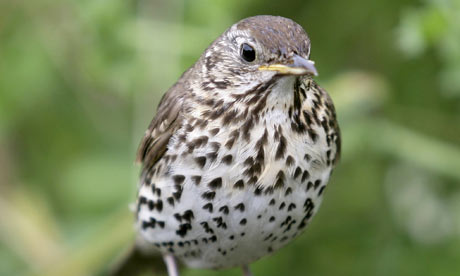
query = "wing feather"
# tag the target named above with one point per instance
(166, 122)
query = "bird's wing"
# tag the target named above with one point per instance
(333, 123)
(167, 120)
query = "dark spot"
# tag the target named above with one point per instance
(208, 206)
(286, 221)
(224, 209)
(305, 175)
(198, 142)
(201, 161)
(240, 207)
(297, 172)
(206, 227)
(183, 229)
(282, 205)
(239, 184)
(281, 150)
(268, 237)
(178, 179)
(289, 161)
(227, 159)
(243, 221)
(149, 224)
(142, 200)
(215, 146)
(272, 219)
(178, 217)
(220, 223)
(214, 131)
(208, 195)
(212, 156)
(196, 179)
(260, 155)
(150, 204)
(257, 168)
(263, 140)
(188, 215)
(216, 183)
(217, 220)
(178, 193)
(308, 205)
(229, 143)
(249, 161)
(313, 135)
(309, 185)
(159, 205)
(280, 177)
(317, 183)
(321, 190)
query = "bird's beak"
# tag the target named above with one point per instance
(296, 66)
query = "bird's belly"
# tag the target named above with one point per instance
(213, 211)
(266, 223)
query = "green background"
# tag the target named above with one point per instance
(80, 81)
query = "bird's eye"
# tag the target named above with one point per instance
(248, 53)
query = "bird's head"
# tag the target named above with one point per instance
(254, 51)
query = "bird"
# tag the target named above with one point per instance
(236, 160)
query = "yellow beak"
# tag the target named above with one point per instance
(297, 66)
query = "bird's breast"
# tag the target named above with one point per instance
(232, 192)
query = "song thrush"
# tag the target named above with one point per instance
(236, 160)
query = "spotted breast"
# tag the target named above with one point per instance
(227, 180)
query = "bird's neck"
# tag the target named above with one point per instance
(282, 93)
(273, 96)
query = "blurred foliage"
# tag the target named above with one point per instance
(434, 26)
(80, 80)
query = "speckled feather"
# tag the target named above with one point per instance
(235, 163)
